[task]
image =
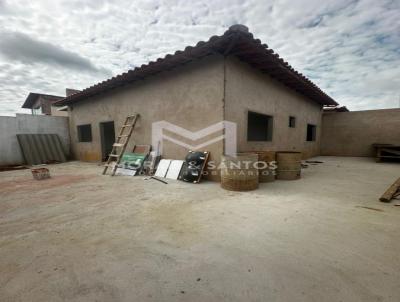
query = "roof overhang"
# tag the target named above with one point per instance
(33, 97)
(30, 100)
(236, 41)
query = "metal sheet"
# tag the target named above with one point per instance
(174, 169)
(162, 168)
(41, 148)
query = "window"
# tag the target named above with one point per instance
(311, 132)
(259, 127)
(85, 133)
(292, 122)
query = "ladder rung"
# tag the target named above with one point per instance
(130, 122)
(111, 166)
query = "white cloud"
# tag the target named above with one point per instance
(348, 48)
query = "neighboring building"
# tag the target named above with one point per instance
(41, 103)
(232, 77)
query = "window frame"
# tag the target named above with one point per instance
(79, 132)
(269, 127)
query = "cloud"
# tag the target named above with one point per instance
(20, 47)
(348, 48)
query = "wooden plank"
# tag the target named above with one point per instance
(388, 195)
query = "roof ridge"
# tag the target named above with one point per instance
(268, 62)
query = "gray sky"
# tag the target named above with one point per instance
(351, 49)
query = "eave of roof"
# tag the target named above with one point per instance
(236, 41)
(32, 97)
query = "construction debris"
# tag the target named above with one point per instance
(391, 192)
(153, 161)
(193, 169)
(40, 173)
(162, 168)
(169, 168)
(174, 169)
(155, 178)
(190, 170)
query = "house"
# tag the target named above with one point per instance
(41, 103)
(233, 77)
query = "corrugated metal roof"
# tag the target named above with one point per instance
(236, 41)
(41, 148)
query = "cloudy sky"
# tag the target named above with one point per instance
(351, 49)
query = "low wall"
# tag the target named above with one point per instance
(352, 133)
(10, 151)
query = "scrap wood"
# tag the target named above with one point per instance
(142, 149)
(155, 178)
(369, 208)
(391, 192)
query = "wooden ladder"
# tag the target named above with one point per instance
(120, 144)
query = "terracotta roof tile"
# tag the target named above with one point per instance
(237, 41)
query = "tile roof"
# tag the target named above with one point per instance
(237, 41)
(32, 97)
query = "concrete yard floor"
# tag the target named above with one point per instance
(81, 236)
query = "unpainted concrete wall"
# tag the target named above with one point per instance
(190, 96)
(352, 133)
(10, 152)
(56, 112)
(247, 89)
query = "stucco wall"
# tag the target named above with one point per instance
(190, 96)
(10, 152)
(56, 112)
(353, 133)
(247, 89)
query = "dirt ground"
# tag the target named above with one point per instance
(81, 236)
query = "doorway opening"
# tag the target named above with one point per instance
(107, 134)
